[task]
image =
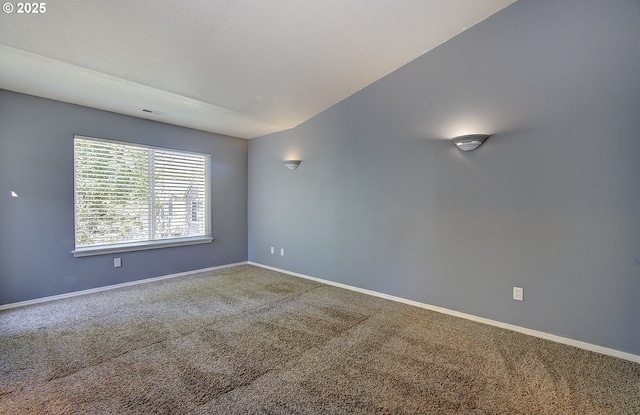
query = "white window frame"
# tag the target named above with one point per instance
(149, 244)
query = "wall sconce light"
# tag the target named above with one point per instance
(292, 164)
(469, 142)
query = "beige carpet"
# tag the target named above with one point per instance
(245, 340)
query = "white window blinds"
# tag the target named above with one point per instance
(126, 193)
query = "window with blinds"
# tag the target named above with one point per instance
(129, 197)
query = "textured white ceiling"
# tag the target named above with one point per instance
(244, 68)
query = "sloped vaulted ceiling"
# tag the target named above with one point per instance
(243, 68)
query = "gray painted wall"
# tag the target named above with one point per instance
(550, 203)
(36, 229)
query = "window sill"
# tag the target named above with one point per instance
(139, 246)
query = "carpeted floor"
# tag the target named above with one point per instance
(245, 340)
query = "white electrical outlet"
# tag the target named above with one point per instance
(273, 250)
(282, 252)
(117, 262)
(518, 293)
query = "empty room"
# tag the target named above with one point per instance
(320, 207)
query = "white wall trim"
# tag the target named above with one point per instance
(558, 339)
(115, 286)
(547, 336)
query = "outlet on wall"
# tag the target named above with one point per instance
(117, 262)
(518, 293)
(281, 251)
(273, 250)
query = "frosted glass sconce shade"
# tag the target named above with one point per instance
(469, 142)
(292, 164)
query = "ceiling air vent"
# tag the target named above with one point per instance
(152, 112)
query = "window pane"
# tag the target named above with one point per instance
(179, 181)
(128, 193)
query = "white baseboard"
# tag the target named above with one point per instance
(113, 287)
(558, 339)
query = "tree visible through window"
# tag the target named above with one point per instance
(126, 193)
